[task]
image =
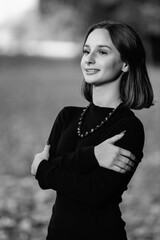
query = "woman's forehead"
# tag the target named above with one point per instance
(99, 37)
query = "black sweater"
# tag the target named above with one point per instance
(88, 196)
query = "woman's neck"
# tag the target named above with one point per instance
(105, 96)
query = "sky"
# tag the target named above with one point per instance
(11, 13)
(13, 10)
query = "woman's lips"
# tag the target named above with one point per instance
(91, 71)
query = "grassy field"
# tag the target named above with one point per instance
(32, 91)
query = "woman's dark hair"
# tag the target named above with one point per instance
(135, 88)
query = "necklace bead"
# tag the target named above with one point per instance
(79, 128)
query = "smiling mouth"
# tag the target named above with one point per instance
(92, 71)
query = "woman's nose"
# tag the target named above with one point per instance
(90, 59)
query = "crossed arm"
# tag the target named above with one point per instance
(107, 155)
(103, 177)
(95, 188)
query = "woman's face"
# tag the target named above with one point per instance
(101, 62)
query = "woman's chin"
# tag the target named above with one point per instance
(90, 80)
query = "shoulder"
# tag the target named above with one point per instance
(132, 120)
(128, 117)
(71, 108)
(67, 112)
(64, 116)
(133, 139)
(135, 128)
(126, 120)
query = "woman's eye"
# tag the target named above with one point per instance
(101, 52)
(85, 51)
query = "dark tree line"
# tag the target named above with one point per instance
(143, 15)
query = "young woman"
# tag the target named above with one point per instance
(92, 152)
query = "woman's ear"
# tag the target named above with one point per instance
(125, 67)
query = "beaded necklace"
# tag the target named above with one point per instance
(79, 128)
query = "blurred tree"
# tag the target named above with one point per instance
(46, 6)
(142, 15)
(62, 18)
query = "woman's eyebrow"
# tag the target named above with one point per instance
(100, 46)
(105, 46)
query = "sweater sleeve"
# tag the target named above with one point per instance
(100, 185)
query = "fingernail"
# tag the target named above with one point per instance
(123, 132)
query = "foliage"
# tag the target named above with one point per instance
(143, 16)
(61, 20)
(128, 11)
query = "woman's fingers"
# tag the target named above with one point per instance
(121, 167)
(118, 169)
(126, 161)
(46, 152)
(47, 147)
(124, 164)
(113, 157)
(128, 158)
(38, 158)
(127, 153)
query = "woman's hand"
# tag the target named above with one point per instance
(115, 158)
(44, 155)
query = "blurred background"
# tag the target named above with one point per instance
(40, 50)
